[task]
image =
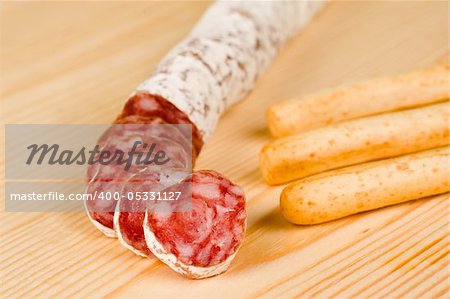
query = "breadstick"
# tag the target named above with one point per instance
(355, 141)
(357, 100)
(364, 187)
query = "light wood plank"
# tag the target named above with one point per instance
(76, 62)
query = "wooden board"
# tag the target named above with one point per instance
(76, 62)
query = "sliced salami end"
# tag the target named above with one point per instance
(100, 211)
(130, 212)
(107, 230)
(145, 105)
(129, 230)
(202, 242)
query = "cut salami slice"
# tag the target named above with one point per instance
(103, 182)
(100, 210)
(147, 106)
(202, 242)
(107, 181)
(105, 187)
(130, 210)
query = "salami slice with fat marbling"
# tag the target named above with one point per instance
(106, 182)
(130, 210)
(201, 241)
(137, 195)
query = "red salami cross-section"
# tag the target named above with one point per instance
(201, 242)
(110, 180)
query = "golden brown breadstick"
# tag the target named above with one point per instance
(361, 99)
(364, 187)
(355, 141)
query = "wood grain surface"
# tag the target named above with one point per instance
(76, 62)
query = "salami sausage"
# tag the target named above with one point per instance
(213, 68)
(218, 63)
(202, 242)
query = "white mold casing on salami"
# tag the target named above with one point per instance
(220, 60)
